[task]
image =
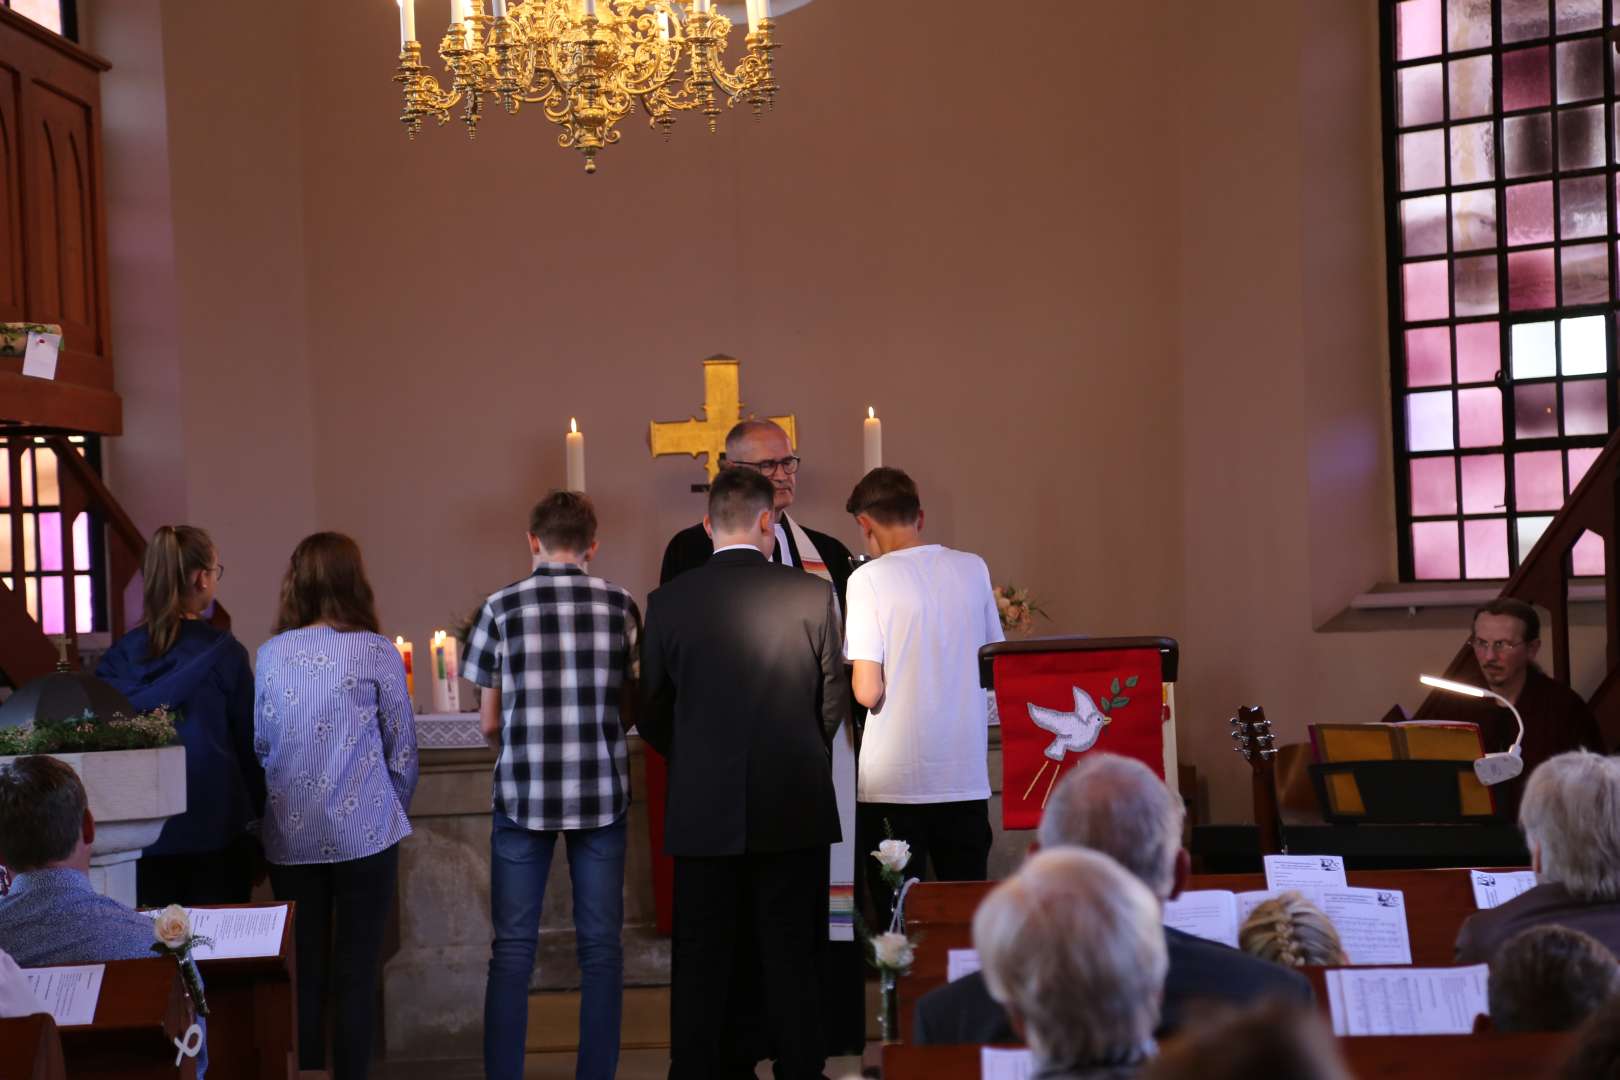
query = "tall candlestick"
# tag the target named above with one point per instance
(873, 435)
(405, 650)
(407, 21)
(446, 674)
(663, 25)
(576, 456)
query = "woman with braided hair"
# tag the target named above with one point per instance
(1291, 931)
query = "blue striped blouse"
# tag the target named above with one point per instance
(333, 727)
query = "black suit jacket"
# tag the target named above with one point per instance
(1200, 970)
(742, 669)
(1549, 904)
(691, 548)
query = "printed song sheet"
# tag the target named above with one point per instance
(1371, 922)
(1406, 1001)
(1492, 887)
(1304, 871)
(997, 1064)
(960, 963)
(236, 933)
(69, 993)
(1207, 913)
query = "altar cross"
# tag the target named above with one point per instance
(722, 408)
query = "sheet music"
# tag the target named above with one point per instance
(1371, 923)
(69, 993)
(960, 963)
(1207, 913)
(1492, 888)
(239, 932)
(997, 1064)
(1406, 1001)
(1304, 871)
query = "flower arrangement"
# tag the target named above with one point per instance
(88, 732)
(1016, 608)
(172, 929)
(892, 953)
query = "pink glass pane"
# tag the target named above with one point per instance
(1434, 486)
(1586, 407)
(1486, 548)
(31, 596)
(1473, 154)
(1417, 29)
(1423, 225)
(1524, 19)
(1583, 207)
(1528, 145)
(1426, 288)
(1534, 411)
(1580, 138)
(1428, 421)
(1576, 15)
(1585, 270)
(1530, 213)
(1420, 93)
(50, 596)
(1580, 71)
(1479, 348)
(1479, 417)
(1484, 484)
(50, 541)
(1475, 280)
(1423, 159)
(1587, 555)
(1434, 550)
(1538, 480)
(5, 544)
(1583, 345)
(1526, 79)
(1530, 279)
(1471, 87)
(5, 471)
(1534, 350)
(84, 619)
(27, 496)
(1530, 530)
(1428, 357)
(81, 541)
(1469, 24)
(1473, 220)
(1580, 462)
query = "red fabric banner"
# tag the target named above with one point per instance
(1056, 706)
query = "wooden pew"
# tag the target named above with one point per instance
(1437, 901)
(31, 1049)
(142, 1009)
(253, 1011)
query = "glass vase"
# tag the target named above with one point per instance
(888, 1006)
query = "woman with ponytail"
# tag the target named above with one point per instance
(175, 659)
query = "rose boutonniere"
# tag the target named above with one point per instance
(172, 929)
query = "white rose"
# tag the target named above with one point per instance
(172, 926)
(893, 855)
(893, 950)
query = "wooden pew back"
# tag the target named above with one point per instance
(141, 1010)
(31, 1049)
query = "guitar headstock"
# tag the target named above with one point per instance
(1252, 733)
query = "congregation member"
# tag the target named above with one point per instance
(1277, 1040)
(334, 731)
(176, 659)
(917, 618)
(1117, 806)
(1549, 978)
(555, 654)
(1291, 931)
(1072, 949)
(1506, 639)
(1595, 1054)
(744, 707)
(1571, 822)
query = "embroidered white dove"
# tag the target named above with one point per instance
(1076, 731)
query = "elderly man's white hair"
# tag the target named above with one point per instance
(1072, 944)
(1117, 806)
(1571, 816)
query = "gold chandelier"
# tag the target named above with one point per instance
(587, 64)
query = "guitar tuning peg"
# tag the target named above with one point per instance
(1239, 734)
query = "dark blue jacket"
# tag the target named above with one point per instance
(206, 677)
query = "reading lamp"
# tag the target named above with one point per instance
(1492, 768)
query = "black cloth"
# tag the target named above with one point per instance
(214, 877)
(1556, 720)
(951, 839)
(353, 899)
(690, 548)
(1550, 904)
(1200, 970)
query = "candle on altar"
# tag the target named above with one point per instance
(663, 25)
(446, 674)
(873, 435)
(407, 21)
(575, 445)
(405, 649)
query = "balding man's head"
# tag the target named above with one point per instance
(764, 447)
(1116, 805)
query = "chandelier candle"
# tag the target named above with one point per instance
(873, 437)
(574, 444)
(407, 22)
(446, 675)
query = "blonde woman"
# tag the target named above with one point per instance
(174, 658)
(1291, 931)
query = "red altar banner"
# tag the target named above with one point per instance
(1058, 705)
(655, 789)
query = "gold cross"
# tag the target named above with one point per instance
(722, 408)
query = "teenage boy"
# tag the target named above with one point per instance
(555, 654)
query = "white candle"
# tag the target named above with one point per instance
(590, 7)
(407, 21)
(405, 650)
(663, 25)
(702, 7)
(575, 443)
(873, 435)
(753, 15)
(498, 9)
(446, 674)
(764, 8)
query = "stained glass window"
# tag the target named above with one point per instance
(58, 15)
(54, 562)
(1501, 182)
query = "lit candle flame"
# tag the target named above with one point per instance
(399, 641)
(573, 425)
(871, 413)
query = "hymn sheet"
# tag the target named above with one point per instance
(1407, 1001)
(1296, 871)
(960, 963)
(997, 1064)
(69, 993)
(1493, 887)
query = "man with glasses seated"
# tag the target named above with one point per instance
(1506, 639)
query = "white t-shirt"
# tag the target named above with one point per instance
(923, 613)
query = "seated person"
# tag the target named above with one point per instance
(1596, 1050)
(1506, 638)
(1071, 946)
(1277, 1040)
(1571, 822)
(1291, 931)
(1117, 806)
(1550, 978)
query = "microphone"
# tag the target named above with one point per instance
(1492, 768)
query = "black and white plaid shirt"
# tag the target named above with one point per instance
(560, 645)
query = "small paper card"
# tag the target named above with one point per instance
(1492, 887)
(70, 993)
(960, 963)
(1406, 1001)
(39, 361)
(1294, 871)
(997, 1064)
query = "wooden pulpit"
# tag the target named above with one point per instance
(32, 1049)
(140, 1013)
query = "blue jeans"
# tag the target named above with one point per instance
(520, 860)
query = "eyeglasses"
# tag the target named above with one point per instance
(1483, 646)
(219, 571)
(788, 465)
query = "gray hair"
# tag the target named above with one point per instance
(1550, 978)
(1073, 944)
(1571, 815)
(744, 428)
(1117, 806)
